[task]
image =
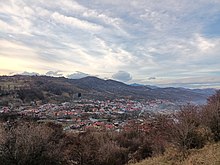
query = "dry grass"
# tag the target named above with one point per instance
(209, 155)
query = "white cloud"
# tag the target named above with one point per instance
(30, 73)
(203, 44)
(54, 73)
(122, 76)
(75, 22)
(77, 75)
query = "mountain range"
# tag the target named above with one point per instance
(22, 88)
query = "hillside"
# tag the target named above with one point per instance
(209, 155)
(46, 89)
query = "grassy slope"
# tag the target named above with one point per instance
(209, 155)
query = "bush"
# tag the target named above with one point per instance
(111, 154)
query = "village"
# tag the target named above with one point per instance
(83, 114)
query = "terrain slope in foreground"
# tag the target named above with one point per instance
(209, 155)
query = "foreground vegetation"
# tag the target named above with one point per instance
(181, 138)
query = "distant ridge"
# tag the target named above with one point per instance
(136, 85)
(60, 89)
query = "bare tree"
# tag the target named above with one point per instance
(211, 115)
(184, 133)
(28, 143)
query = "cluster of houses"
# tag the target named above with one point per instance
(83, 114)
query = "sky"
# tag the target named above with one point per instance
(155, 42)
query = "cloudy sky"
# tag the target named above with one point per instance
(157, 42)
